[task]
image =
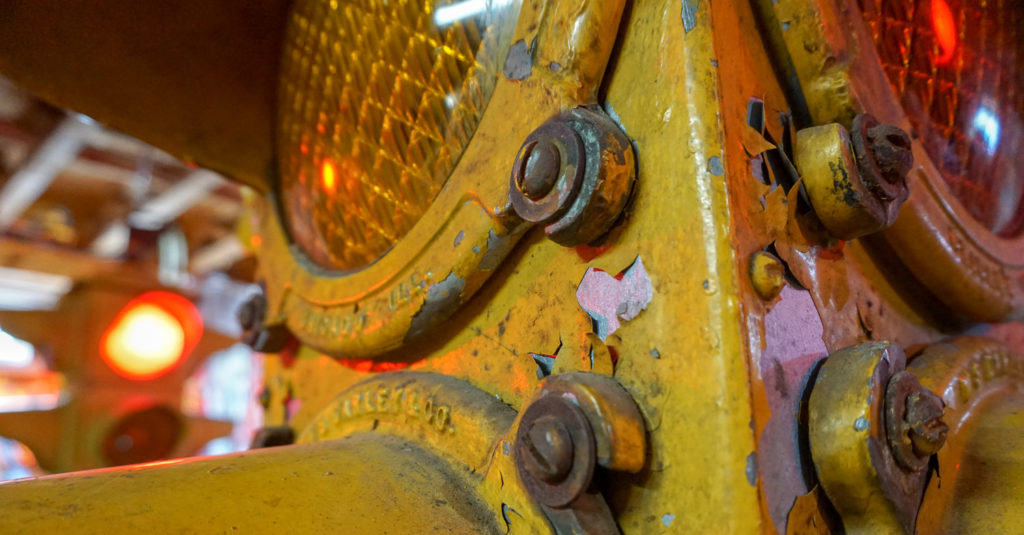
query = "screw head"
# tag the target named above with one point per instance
(541, 167)
(550, 450)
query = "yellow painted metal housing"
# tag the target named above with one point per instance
(704, 357)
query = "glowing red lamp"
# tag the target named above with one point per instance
(151, 335)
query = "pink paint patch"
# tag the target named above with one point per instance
(793, 336)
(610, 299)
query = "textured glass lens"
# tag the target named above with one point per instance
(958, 66)
(378, 100)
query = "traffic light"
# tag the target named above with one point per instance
(125, 352)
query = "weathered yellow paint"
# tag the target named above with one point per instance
(822, 65)
(350, 485)
(469, 228)
(678, 86)
(845, 423)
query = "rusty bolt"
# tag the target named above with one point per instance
(260, 337)
(550, 450)
(767, 274)
(250, 314)
(573, 174)
(541, 167)
(913, 421)
(855, 180)
(924, 418)
(555, 450)
(890, 147)
(883, 158)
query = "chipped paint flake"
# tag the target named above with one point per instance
(545, 363)
(715, 166)
(689, 14)
(442, 299)
(752, 469)
(519, 61)
(609, 300)
(667, 519)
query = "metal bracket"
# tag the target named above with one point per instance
(578, 421)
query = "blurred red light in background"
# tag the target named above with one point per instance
(945, 31)
(151, 335)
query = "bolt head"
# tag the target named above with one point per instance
(550, 450)
(250, 314)
(541, 167)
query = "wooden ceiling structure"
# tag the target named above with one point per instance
(80, 201)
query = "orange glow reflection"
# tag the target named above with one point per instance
(945, 31)
(329, 177)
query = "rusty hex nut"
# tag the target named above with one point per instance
(883, 158)
(574, 175)
(913, 422)
(856, 186)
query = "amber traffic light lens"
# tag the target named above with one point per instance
(958, 66)
(146, 435)
(378, 100)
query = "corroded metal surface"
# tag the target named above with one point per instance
(847, 426)
(981, 381)
(970, 269)
(579, 421)
(583, 198)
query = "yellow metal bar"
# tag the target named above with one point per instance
(368, 483)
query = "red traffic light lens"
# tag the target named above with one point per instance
(151, 335)
(145, 435)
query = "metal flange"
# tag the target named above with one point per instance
(857, 466)
(856, 181)
(578, 421)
